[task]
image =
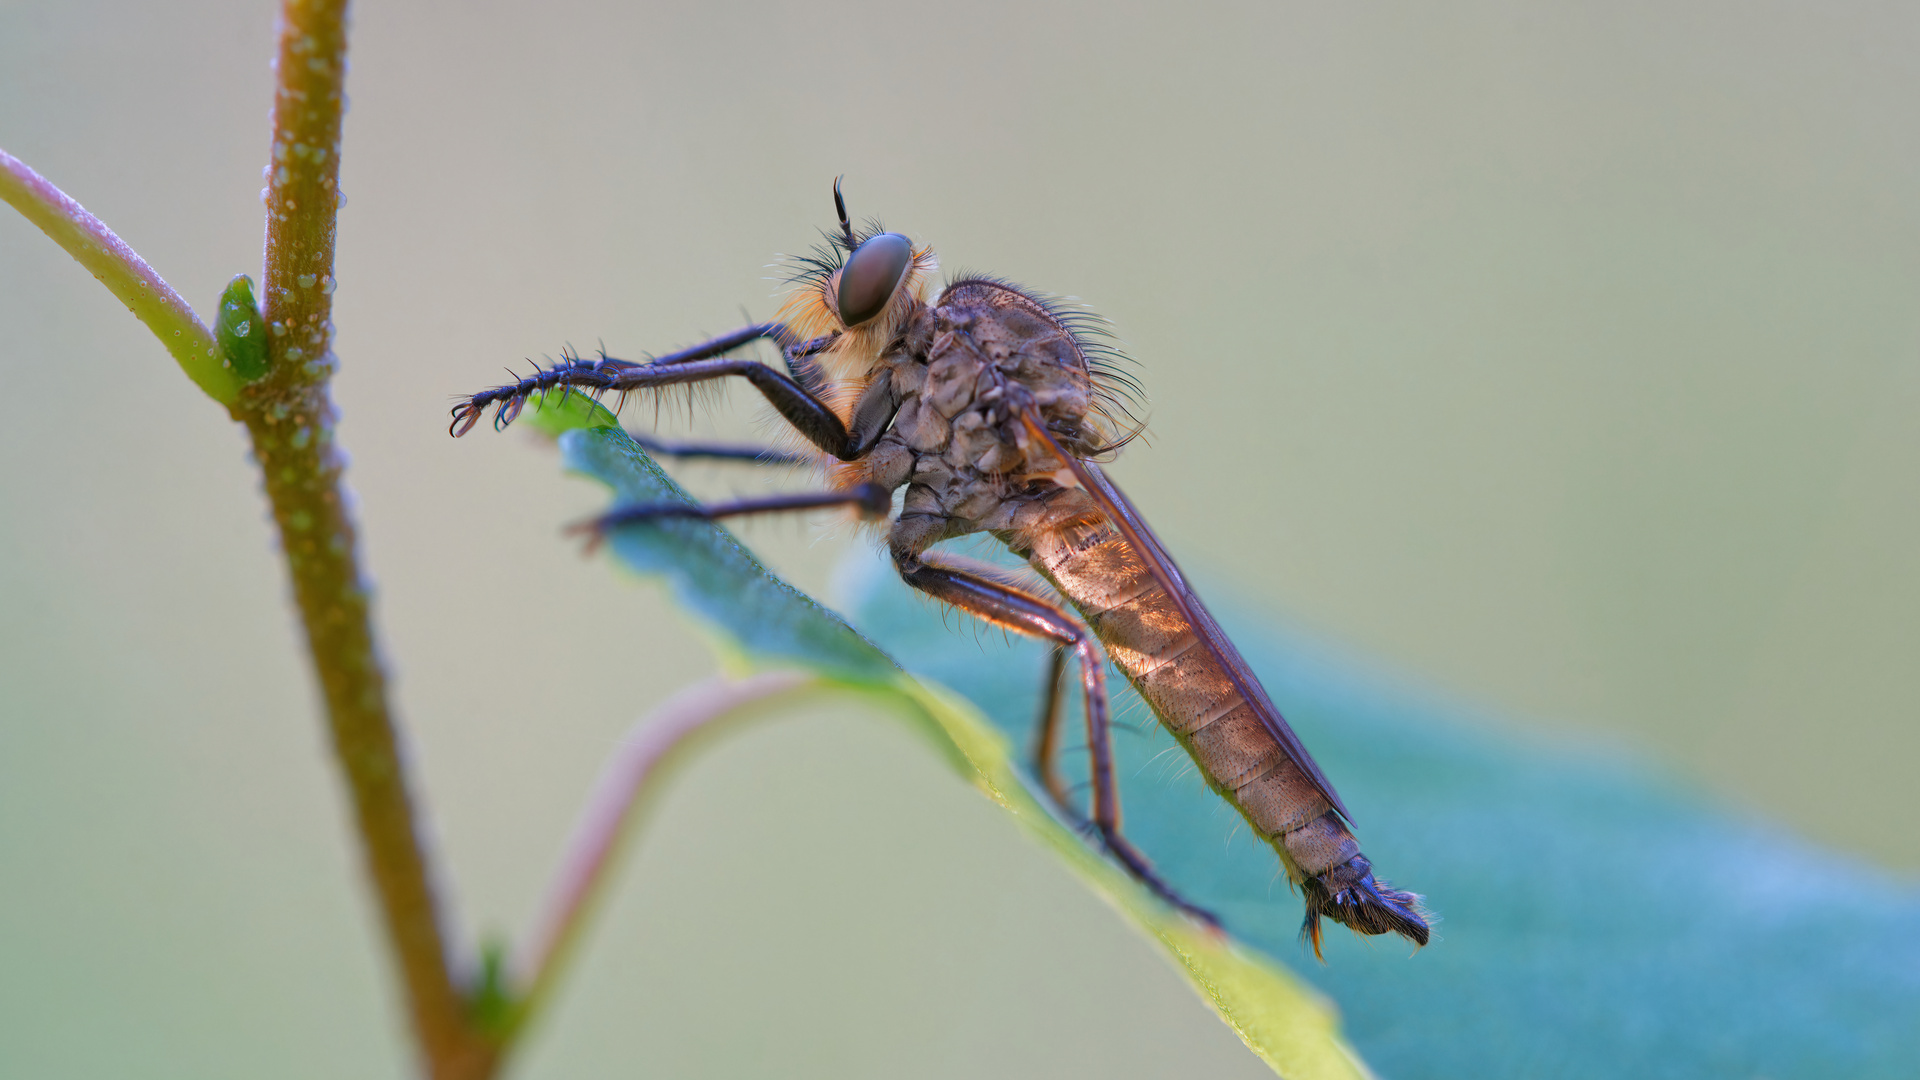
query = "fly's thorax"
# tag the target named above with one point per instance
(968, 456)
(1024, 343)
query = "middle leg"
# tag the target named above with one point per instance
(872, 500)
(677, 448)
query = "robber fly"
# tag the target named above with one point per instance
(990, 404)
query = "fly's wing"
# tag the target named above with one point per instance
(1145, 544)
(1142, 537)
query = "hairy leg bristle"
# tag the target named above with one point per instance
(571, 374)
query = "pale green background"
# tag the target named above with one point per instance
(1559, 359)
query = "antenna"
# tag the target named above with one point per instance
(840, 206)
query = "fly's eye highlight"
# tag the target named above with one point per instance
(873, 271)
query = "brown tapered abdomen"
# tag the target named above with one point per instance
(1150, 640)
(1165, 659)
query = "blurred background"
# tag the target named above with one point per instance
(1560, 361)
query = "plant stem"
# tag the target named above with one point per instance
(289, 414)
(612, 810)
(124, 273)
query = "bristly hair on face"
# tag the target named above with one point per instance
(1118, 398)
(810, 312)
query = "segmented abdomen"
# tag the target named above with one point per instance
(1164, 657)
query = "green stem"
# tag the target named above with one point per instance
(625, 786)
(124, 273)
(290, 416)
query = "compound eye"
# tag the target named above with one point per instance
(873, 271)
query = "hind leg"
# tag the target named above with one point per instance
(1023, 613)
(1046, 742)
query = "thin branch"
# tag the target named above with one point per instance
(290, 416)
(303, 191)
(612, 810)
(124, 273)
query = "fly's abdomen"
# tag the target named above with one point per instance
(1194, 697)
(1163, 655)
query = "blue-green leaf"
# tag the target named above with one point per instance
(1597, 921)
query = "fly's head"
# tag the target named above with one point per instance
(867, 285)
(870, 287)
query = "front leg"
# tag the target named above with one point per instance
(805, 411)
(575, 371)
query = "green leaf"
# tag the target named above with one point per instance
(762, 622)
(559, 411)
(241, 330)
(490, 1000)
